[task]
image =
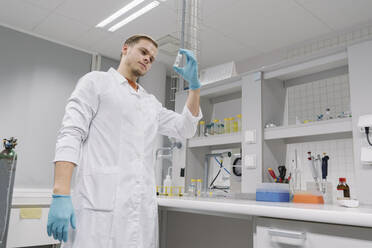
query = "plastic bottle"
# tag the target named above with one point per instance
(201, 128)
(235, 126)
(239, 119)
(231, 120)
(167, 185)
(343, 190)
(227, 125)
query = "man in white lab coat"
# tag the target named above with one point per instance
(108, 134)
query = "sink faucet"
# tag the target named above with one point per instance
(168, 151)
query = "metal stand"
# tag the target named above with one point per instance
(8, 161)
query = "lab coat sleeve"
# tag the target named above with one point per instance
(80, 110)
(179, 126)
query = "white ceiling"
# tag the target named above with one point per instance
(231, 29)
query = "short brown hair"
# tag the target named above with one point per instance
(136, 38)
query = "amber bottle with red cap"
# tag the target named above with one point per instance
(343, 190)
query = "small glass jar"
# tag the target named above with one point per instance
(222, 128)
(192, 188)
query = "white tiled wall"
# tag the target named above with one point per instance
(340, 164)
(340, 40)
(307, 101)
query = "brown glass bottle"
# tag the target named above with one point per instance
(343, 190)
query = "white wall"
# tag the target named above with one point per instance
(36, 78)
(360, 76)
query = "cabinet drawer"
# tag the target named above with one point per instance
(275, 233)
(28, 232)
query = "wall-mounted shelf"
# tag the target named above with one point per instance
(309, 129)
(219, 88)
(309, 67)
(222, 139)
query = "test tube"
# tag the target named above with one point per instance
(180, 191)
(177, 62)
(198, 187)
(201, 128)
(157, 190)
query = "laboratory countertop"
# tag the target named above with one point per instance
(327, 213)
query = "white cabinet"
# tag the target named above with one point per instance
(275, 233)
(25, 232)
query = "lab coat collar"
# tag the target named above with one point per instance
(121, 79)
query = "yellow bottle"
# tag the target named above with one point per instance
(227, 125)
(234, 124)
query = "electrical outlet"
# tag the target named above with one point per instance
(365, 121)
(250, 136)
(366, 155)
(250, 161)
(362, 129)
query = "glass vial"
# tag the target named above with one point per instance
(198, 187)
(201, 128)
(177, 62)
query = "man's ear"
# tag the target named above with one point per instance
(124, 49)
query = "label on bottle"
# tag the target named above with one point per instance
(340, 194)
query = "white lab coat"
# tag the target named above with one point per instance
(109, 131)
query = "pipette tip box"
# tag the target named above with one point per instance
(272, 192)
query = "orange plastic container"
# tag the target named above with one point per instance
(308, 197)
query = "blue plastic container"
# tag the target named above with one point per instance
(272, 192)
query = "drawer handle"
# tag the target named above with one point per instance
(287, 234)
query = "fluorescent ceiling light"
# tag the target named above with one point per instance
(133, 16)
(119, 13)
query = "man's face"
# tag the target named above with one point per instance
(140, 56)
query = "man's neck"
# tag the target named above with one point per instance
(123, 70)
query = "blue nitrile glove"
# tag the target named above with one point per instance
(61, 214)
(190, 71)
